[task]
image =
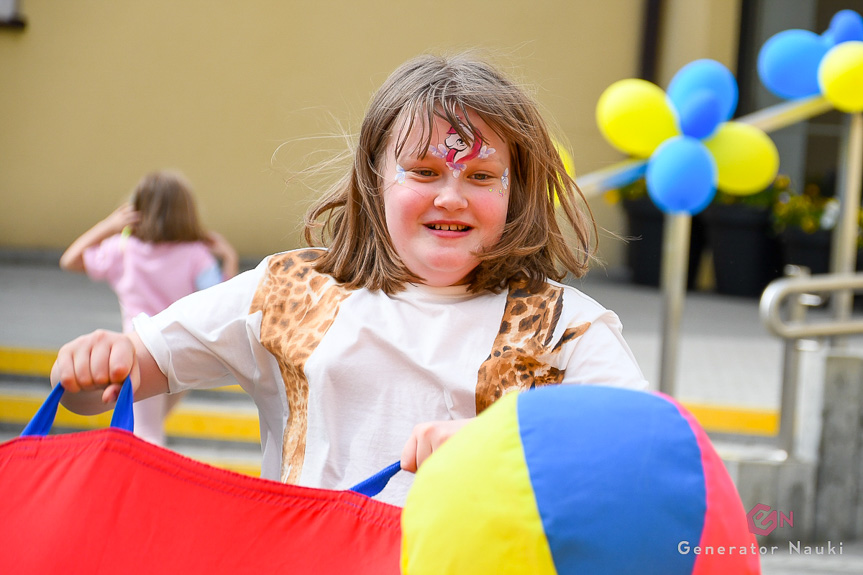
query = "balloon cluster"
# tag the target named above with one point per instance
(799, 63)
(692, 147)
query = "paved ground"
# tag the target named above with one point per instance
(727, 357)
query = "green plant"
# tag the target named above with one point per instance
(809, 211)
(632, 191)
(766, 198)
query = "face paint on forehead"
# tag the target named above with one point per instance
(455, 150)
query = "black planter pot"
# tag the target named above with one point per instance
(746, 254)
(645, 225)
(810, 250)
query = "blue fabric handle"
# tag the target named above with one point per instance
(44, 418)
(376, 483)
(41, 423)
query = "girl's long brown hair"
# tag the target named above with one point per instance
(167, 207)
(350, 217)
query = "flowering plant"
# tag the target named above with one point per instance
(631, 191)
(809, 211)
(766, 198)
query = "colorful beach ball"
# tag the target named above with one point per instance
(577, 479)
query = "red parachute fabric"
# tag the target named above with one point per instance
(106, 501)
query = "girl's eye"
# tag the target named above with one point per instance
(482, 177)
(425, 172)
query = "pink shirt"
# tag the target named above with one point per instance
(148, 277)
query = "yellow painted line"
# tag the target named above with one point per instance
(229, 389)
(20, 361)
(228, 426)
(237, 466)
(189, 422)
(38, 363)
(744, 421)
(213, 424)
(184, 421)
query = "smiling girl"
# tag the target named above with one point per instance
(438, 293)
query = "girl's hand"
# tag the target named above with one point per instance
(97, 362)
(117, 220)
(93, 368)
(73, 258)
(225, 252)
(425, 439)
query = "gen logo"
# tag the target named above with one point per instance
(763, 520)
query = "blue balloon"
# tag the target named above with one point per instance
(788, 63)
(700, 75)
(681, 176)
(700, 115)
(845, 26)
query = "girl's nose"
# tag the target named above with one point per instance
(450, 195)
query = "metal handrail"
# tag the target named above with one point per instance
(770, 308)
(789, 294)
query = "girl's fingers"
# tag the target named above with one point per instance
(419, 446)
(81, 376)
(63, 370)
(111, 393)
(425, 439)
(121, 360)
(409, 455)
(94, 360)
(99, 368)
(424, 450)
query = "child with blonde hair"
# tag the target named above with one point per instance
(152, 251)
(437, 293)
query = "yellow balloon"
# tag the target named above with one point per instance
(635, 116)
(840, 76)
(746, 158)
(568, 164)
(566, 158)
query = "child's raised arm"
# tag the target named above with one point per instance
(93, 367)
(72, 259)
(225, 253)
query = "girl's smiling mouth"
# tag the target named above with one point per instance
(448, 227)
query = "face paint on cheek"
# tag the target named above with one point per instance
(504, 180)
(400, 175)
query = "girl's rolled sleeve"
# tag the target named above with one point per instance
(601, 356)
(209, 338)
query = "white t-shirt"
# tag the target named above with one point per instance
(341, 377)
